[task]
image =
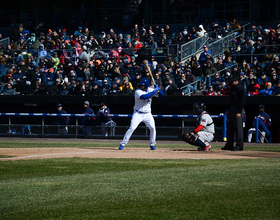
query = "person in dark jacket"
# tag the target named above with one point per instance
(265, 118)
(107, 124)
(87, 121)
(277, 89)
(9, 90)
(236, 115)
(62, 121)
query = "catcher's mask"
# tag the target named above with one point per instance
(198, 108)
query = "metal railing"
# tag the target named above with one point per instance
(5, 42)
(193, 47)
(43, 129)
(217, 47)
(206, 78)
(259, 124)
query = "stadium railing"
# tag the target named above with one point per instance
(259, 124)
(48, 129)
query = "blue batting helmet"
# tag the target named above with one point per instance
(145, 82)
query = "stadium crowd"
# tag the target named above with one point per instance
(82, 62)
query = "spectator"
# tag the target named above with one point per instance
(189, 76)
(9, 90)
(125, 81)
(236, 27)
(267, 91)
(169, 61)
(42, 52)
(183, 82)
(228, 63)
(56, 87)
(220, 65)
(96, 90)
(166, 78)
(201, 31)
(64, 89)
(277, 89)
(105, 87)
(209, 69)
(227, 29)
(234, 50)
(216, 81)
(200, 91)
(126, 89)
(203, 56)
(168, 31)
(253, 88)
(246, 49)
(263, 78)
(171, 87)
(243, 81)
(84, 54)
(274, 78)
(136, 80)
(211, 91)
(114, 90)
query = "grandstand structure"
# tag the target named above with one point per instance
(102, 15)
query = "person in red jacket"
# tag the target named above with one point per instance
(137, 45)
(254, 87)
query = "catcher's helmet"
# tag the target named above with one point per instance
(198, 108)
(145, 82)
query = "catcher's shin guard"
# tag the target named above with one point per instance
(200, 143)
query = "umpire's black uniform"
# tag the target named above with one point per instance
(235, 128)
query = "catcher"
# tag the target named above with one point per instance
(204, 131)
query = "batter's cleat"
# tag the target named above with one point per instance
(153, 147)
(207, 148)
(121, 147)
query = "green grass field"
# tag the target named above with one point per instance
(84, 188)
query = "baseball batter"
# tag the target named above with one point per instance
(204, 131)
(142, 111)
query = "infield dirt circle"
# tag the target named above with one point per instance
(109, 152)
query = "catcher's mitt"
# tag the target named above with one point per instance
(189, 138)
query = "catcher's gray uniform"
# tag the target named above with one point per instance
(202, 134)
(205, 133)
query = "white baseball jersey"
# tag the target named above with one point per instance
(143, 105)
(142, 113)
(206, 120)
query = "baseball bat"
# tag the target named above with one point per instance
(149, 70)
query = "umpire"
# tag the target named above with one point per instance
(236, 115)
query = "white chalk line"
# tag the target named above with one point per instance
(46, 155)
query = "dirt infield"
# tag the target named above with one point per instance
(143, 153)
